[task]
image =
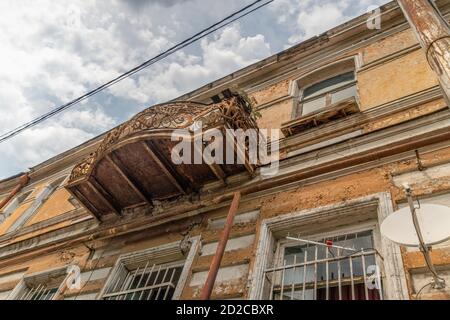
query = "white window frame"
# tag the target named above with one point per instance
(21, 291)
(300, 84)
(14, 204)
(370, 226)
(326, 95)
(394, 283)
(38, 202)
(154, 254)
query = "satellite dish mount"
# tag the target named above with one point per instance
(438, 282)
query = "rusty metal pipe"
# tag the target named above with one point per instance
(433, 34)
(23, 180)
(215, 264)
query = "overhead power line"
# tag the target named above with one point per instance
(205, 32)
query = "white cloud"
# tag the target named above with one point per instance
(230, 50)
(318, 19)
(50, 58)
(226, 52)
(308, 18)
(86, 120)
(39, 144)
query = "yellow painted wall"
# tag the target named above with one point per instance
(275, 115)
(57, 204)
(14, 216)
(271, 93)
(396, 79)
(389, 45)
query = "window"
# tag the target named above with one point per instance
(351, 223)
(325, 88)
(13, 205)
(327, 93)
(306, 271)
(151, 282)
(41, 286)
(38, 202)
(38, 292)
(154, 274)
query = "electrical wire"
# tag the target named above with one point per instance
(92, 271)
(420, 291)
(205, 32)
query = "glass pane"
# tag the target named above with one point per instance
(328, 84)
(313, 105)
(357, 267)
(345, 268)
(293, 276)
(296, 295)
(343, 94)
(333, 270)
(321, 271)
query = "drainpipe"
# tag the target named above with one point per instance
(215, 264)
(433, 33)
(23, 180)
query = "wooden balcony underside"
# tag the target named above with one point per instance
(133, 165)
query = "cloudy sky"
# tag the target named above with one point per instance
(54, 51)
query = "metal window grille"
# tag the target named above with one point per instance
(146, 282)
(38, 292)
(311, 272)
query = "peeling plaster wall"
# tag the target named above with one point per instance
(57, 204)
(240, 253)
(274, 116)
(271, 93)
(390, 45)
(409, 72)
(14, 216)
(395, 79)
(401, 117)
(392, 69)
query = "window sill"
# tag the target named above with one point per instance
(336, 111)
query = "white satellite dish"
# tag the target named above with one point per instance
(433, 220)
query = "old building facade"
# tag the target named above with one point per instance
(360, 112)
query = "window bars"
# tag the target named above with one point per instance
(312, 272)
(45, 285)
(156, 273)
(148, 282)
(38, 292)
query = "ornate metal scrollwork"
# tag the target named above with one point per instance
(176, 115)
